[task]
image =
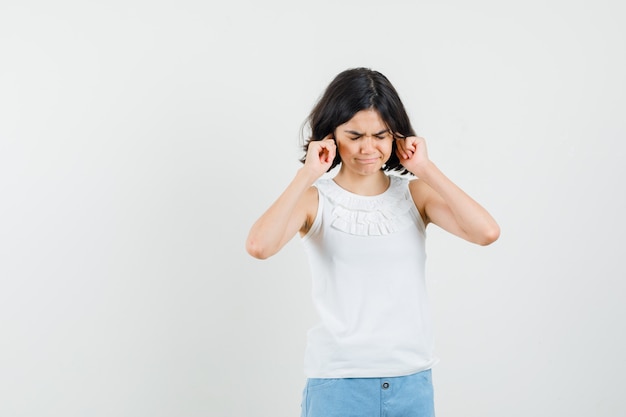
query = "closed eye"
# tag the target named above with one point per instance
(383, 134)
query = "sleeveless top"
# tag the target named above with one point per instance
(367, 260)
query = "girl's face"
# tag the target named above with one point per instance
(364, 143)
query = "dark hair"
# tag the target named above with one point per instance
(354, 90)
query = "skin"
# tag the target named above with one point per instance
(364, 144)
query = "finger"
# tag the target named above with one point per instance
(403, 154)
(316, 150)
(332, 151)
(327, 145)
(411, 143)
(402, 148)
(326, 151)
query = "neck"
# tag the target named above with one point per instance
(366, 185)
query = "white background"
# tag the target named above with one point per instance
(140, 140)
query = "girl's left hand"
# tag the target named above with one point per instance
(412, 153)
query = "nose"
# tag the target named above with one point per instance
(367, 144)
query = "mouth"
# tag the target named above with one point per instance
(366, 161)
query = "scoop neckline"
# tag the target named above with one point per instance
(392, 180)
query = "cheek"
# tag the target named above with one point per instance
(345, 147)
(389, 148)
(342, 151)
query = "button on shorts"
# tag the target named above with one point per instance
(401, 396)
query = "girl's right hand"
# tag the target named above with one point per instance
(320, 155)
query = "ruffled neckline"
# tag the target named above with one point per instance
(376, 215)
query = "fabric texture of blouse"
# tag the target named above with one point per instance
(367, 259)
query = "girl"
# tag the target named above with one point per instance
(364, 232)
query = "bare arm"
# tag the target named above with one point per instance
(441, 201)
(294, 208)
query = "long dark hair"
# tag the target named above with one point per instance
(354, 90)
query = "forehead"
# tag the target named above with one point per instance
(366, 121)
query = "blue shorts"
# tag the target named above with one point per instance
(401, 396)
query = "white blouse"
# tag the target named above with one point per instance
(367, 259)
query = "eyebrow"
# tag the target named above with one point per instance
(353, 132)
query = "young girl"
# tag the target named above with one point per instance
(364, 231)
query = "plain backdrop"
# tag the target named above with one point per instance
(139, 141)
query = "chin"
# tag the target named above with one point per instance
(374, 169)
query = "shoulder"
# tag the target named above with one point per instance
(421, 193)
(323, 186)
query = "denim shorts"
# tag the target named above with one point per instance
(401, 396)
